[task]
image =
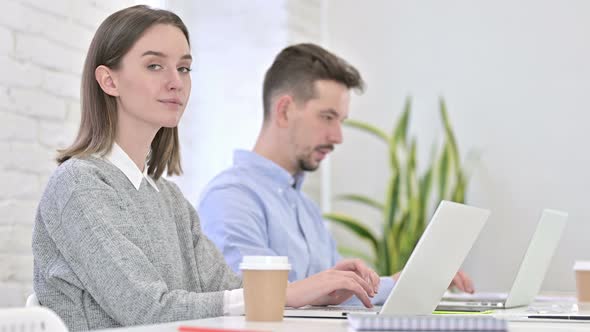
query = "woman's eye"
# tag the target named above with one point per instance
(154, 67)
(184, 70)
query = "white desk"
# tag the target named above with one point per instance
(327, 325)
(557, 302)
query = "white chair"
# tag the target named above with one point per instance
(32, 301)
(31, 319)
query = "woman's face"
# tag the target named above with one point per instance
(153, 80)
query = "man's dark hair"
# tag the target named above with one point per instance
(296, 69)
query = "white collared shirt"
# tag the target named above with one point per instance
(233, 300)
(123, 162)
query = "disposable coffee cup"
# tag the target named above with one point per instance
(582, 270)
(265, 287)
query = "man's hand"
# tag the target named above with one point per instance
(463, 282)
(336, 285)
(361, 269)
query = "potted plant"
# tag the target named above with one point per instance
(410, 197)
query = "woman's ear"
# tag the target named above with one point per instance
(104, 77)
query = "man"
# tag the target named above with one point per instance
(257, 207)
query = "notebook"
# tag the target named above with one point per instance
(426, 323)
(439, 253)
(530, 274)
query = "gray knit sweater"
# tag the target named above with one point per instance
(108, 255)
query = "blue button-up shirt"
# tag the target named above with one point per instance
(257, 208)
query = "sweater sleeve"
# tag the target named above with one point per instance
(89, 233)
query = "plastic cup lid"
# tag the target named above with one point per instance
(265, 263)
(582, 266)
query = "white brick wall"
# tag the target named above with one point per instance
(6, 41)
(42, 49)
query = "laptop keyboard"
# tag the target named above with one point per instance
(343, 308)
(469, 306)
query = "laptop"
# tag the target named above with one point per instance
(437, 257)
(530, 275)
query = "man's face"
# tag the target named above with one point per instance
(317, 124)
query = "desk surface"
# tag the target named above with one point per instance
(515, 316)
(327, 325)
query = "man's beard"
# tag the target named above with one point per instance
(307, 164)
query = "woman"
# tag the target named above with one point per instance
(114, 243)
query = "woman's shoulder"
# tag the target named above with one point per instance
(80, 167)
(75, 175)
(79, 173)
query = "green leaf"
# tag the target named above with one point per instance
(392, 202)
(413, 189)
(459, 192)
(443, 169)
(415, 215)
(411, 178)
(361, 199)
(400, 133)
(383, 260)
(398, 138)
(399, 229)
(355, 226)
(449, 135)
(367, 128)
(425, 189)
(393, 253)
(407, 246)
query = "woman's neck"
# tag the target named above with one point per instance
(135, 138)
(137, 151)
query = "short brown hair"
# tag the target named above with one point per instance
(96, 135)
(297, 67)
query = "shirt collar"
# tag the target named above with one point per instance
(123, 162)
(270, 168)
